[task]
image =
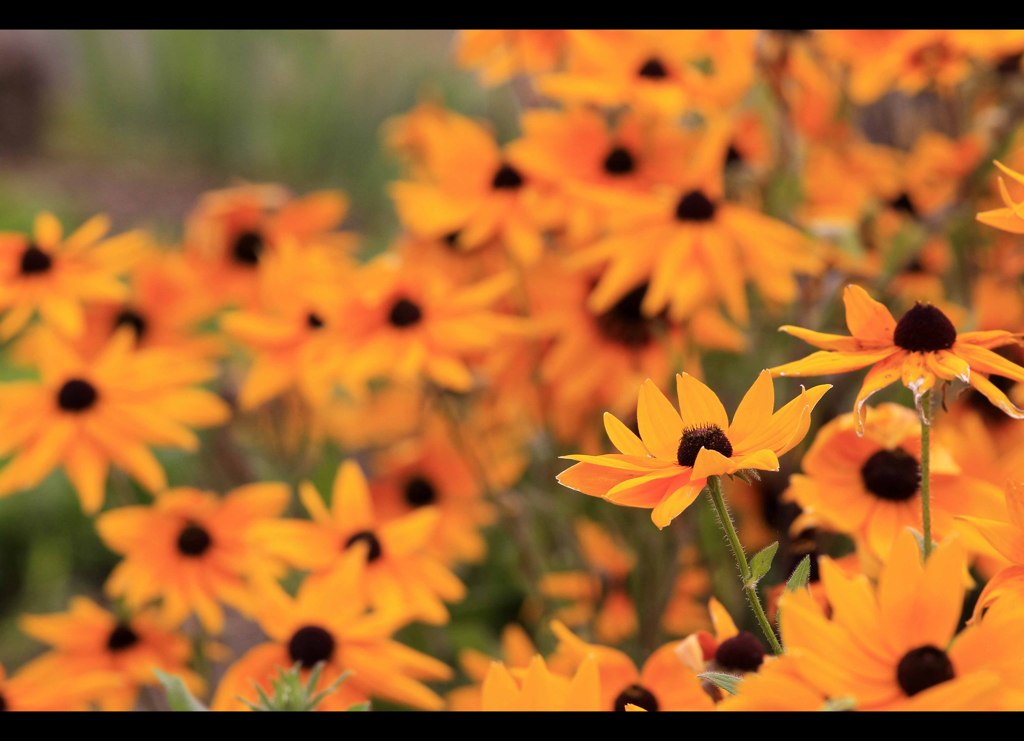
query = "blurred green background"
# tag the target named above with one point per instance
(137, 124)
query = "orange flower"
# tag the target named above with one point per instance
(192, 549)
(920, 349)
(118, 655)
(55, 275)
(538, 688)
(668, 465)
(402, 575)
(500, 54)
(1009, 218)
(316, 626)
(517, 650)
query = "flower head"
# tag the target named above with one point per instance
(667, 466)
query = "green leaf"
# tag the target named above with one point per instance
(801, 575)
(728, 682)
(178, 696)
(761, 563)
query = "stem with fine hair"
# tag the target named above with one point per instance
(725, 520)
(927, 410)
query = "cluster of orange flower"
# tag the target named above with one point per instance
(672, 197)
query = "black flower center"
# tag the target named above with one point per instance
(451, 239)
(77, 395)
(507, 178)
(695, 206)
(194, 540)
(1010, 65)
(733, 156)
(313, 321)
(653, 69)
(636, 694)
(404, 313)
(741, 653)
(706, 436)
(419, 492)
(247, 248)
(893, 475)
(903, 204)
(34, 260)
(122, 637)
(310, 645)
(924, 328)
(365, 536)
(619, 162)
(625, 323)
(133, 319)
(923, 667)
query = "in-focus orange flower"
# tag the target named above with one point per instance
(56, 275)
(868, 485)
(668, 465)
(86, 413)
(402, 575)
(920, 349)
(192, 550)
(117, 654)
(317, 626)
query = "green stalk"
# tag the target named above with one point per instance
(927, 404)
(725, 519)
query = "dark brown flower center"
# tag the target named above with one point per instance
(122, 637)
(636, 694)
(451, 239)
(419, 492)
(34, 260)
(619, 162)
(507, 178)
(1010, 65)
(313, 321)
(653, 69)
(924, 328)
(894, 475)
(706, 436)
(310, 645)
(77, 395)
(133, 319)
(404, 313)
(248, 248)
(903, 204)
(194, 540)
(695, 206)
(625, 322)
(733, 156)
(741, 653)
(365, 536)
(922, 668)
(3, 702)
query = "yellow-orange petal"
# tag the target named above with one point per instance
(866, 318)
(699, 406)
(659, 422)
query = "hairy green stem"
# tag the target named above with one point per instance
(725, 519)
(927, 411)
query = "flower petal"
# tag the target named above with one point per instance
(698, 404)
(622, 437)
(867, 319)
(660, 425)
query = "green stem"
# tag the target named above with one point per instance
(927, 405)
(725, 519)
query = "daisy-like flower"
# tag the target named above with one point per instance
(600, 593)
(538, 688)
(430, 472)
(37, 688)
(402, 575)
(327, 621)
(230, 230)
(896, 647)
(296, 329)
(923, 347)
(193, 550)
(501, 54)
(727, 649)
(469, 188)
(663, 683)
(54, 275)
(414, 322)
(88, 413)
(1006, 534)
(117, 654)
(669, 464)
(869, 485)
(1009, 218)
(693, 245)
